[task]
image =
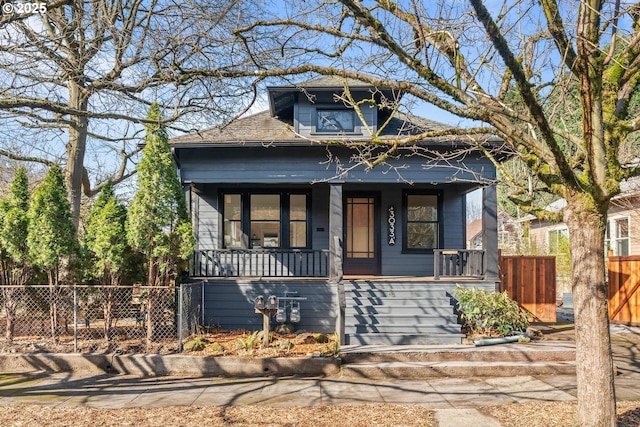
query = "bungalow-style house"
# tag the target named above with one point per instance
(280, 207)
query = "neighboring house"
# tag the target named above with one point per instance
(623, 225)
(509, 234)
(279, 208)
(474, 234)
(622, 234)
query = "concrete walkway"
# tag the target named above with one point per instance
(123, 391)
(455, 399)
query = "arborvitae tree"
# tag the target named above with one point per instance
(52, 237)
(15, 265)
(106, 244)
(157, 224)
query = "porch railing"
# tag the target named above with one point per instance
(458, 263)
(260, 263)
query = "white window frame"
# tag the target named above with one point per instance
(612, 239)
(554, 231)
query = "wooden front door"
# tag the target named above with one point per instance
(361, 239)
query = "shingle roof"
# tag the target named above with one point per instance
(259, 127)
(329, 82)
(263, 128)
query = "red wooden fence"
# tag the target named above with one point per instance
(624, 292)
(531, 281)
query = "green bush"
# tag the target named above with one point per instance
(197, 344)
(485, 312)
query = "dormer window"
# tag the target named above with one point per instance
(334, 120)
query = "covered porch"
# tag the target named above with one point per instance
(352, 230)
(279, 263)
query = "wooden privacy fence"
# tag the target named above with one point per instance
(624, 292)
(531, 281)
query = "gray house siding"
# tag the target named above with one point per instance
(207, 230)
(304, 165)
(320, 217)
(229, 303)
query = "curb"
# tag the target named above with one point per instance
(171, 365)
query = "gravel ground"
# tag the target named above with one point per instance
(543, 414)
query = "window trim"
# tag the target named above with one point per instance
(405, 220)
(357, 125)
(564, 230)
(611, 243)
(245, 215)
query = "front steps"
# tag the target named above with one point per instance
(419, 362)
(397, 312)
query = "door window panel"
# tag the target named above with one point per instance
(360, 219)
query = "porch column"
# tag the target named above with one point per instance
(335, 232)
(490, 231)
(335, 254)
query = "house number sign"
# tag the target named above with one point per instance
(391, 225)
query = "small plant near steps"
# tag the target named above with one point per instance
(245, 343)
(492, 314)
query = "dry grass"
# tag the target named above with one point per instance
(246, 416)
(541, 414)
(555, 414)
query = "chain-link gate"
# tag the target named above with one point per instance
(88, 318)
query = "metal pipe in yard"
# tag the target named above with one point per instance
(202, 303)
(180, 312)
(75, 319)
(502, 340)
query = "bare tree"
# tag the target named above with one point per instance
(79, 76)
(504, 67)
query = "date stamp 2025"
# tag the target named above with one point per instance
(23, 8)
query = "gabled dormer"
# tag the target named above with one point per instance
(315, 110)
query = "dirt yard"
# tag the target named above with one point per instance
(213, 343)
(544, 414)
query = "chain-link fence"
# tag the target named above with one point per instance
(87, 318)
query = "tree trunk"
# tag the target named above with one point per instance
(10, 297)
(76, 148)
(53, 304)
(594, 363)
(152, 301)
(107, 311)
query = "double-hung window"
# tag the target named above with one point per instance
(617, 237)
(421, 211)
(254, 219)
(558, 241)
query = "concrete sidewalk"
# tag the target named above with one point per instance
(455, 400)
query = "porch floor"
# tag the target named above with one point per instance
(414, 278)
